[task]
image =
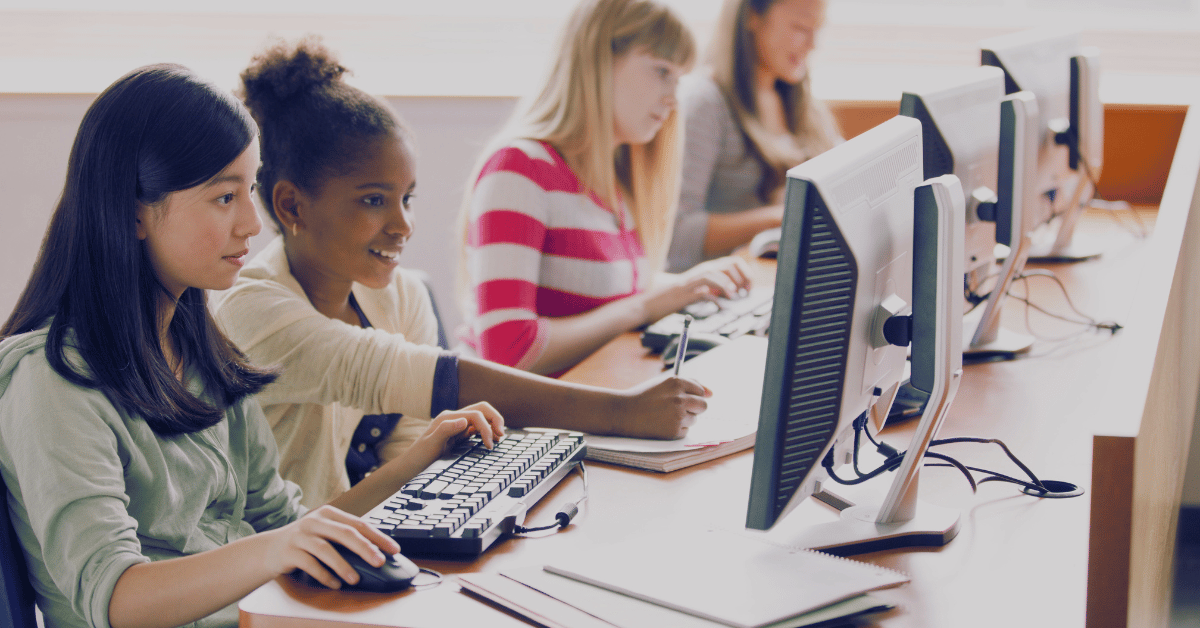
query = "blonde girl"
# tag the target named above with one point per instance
(568, 220)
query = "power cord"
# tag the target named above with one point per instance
(893, 458)
(565, 513)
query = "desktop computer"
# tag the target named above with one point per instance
(870, 258)
(969, 132)
(1064, 79)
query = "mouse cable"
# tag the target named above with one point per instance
(566, 512)
(429, 585)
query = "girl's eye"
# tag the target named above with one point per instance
(373, 201)
(408, 198)
(225, 200)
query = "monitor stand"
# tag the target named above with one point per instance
(983, 337)
(858, 532)
(1067, 247)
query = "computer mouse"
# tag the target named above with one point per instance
(698, 342)
(766, 243)
(396, 574)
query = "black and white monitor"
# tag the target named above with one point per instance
(870, 255)
(1064, 78)
(959, 112)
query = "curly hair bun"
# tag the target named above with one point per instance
(283, 72)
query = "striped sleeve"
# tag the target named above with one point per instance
(505, 245)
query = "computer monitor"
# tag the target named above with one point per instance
(963, 135)
(1064, 78)
(960, 121)
(869, 257)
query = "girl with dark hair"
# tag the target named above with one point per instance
(353, 332)
(137, 462)
(750, 116)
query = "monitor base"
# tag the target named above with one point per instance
(856, 531)
(1082, 247)
(1005, 343)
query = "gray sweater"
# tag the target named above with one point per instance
(93, 491)
(719, 177)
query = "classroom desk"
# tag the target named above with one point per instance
(1111, 413)
(1017, 559)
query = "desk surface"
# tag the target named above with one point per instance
(1017, 560)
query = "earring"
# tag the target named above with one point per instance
(293, 229)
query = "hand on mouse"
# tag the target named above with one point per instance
(660, 408)
(307, 545)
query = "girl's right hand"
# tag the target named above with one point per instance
(307, 545)
(723, 277)
(661, 408)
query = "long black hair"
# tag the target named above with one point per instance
(157, 130)
(314, 125)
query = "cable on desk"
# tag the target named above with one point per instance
(892, 461)
(1099, 202)
(565, 513)
(429, 585)
(1110, 326)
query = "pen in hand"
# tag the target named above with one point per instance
(681, 351)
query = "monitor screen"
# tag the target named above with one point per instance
(846, 271)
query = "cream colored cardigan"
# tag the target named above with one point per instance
(332, 373)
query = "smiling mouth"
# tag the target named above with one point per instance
(391, 256)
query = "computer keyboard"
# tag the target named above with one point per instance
(464, 502)
(750, 314)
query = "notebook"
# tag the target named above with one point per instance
(734, 577)
(734, 372)
(554, 601)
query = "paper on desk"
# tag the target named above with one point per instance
(733, 577)
(734, 373)
(623, 611)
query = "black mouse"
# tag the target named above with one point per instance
(396, 574)
(698, 342)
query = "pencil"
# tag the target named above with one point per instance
(681, 352)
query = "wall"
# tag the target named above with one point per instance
(35, 140)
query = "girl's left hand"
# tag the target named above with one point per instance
(452, 426)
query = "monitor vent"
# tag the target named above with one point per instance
(879, 181)
(823, 312)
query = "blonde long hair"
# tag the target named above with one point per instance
(733, 57)
(574, 113)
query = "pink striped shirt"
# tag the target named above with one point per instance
(540, 246)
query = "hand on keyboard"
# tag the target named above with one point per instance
(750, 314)
(452, 427)
(461, 503)
(726, 277)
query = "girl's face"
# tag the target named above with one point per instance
(357, 226)
(643, 95)
(199, 237)
(784, 35)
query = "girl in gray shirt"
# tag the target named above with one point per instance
(141, 475)
(748, 118)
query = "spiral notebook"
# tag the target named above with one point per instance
(737, 578)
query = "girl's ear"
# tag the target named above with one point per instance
(141, 219)
(287, 199)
